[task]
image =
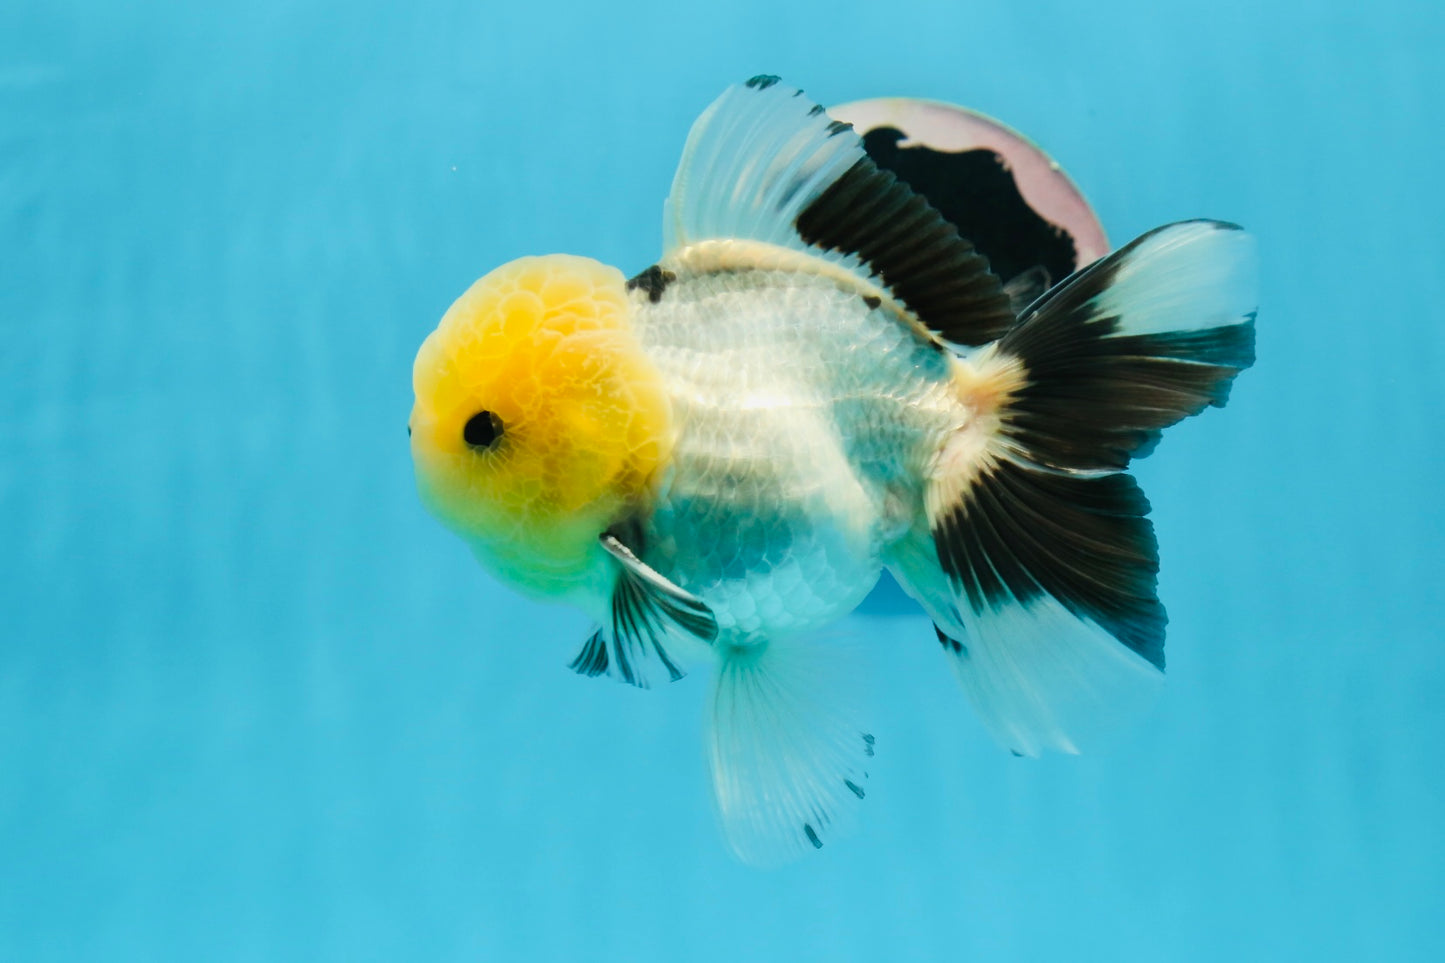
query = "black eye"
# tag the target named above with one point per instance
(482, 430)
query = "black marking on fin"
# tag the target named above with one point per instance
(1021, 533)
(920, 256)
(868, 743)
(1054, 515)
(763, 81)
(653, 280)
(635, 631)
(1016, 754)
(1095, 399)
(976, 192)
(812, 836)
(950, 644)
(836, 127)
(815, 110)
(1105, 400)
(645, 607)
(872, 300)
(592, 660)
(856, 789)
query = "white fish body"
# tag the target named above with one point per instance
(819, 379)
(808, 417)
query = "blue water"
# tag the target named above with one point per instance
(256, 705)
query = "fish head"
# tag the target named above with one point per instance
(539, 420)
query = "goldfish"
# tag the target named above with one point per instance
(716, 457)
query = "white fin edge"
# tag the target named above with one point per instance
(1043, 678)
(1039, 677)
(759, 155)
(1188, 276)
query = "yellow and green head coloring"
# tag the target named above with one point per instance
(571, 424)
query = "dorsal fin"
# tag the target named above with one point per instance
(764, 163)
(913, 250)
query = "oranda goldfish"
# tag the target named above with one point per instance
(819, 380)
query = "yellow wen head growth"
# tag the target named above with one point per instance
(538, 418)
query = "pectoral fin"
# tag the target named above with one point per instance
(647, 610)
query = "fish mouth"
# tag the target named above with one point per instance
(421, 429)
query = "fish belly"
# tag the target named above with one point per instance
(805, 419)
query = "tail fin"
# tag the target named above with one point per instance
(1046, 594)
(1149, 335)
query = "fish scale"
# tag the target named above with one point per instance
(800, 409)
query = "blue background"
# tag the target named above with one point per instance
(256, 705)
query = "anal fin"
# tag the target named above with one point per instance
(788, 755)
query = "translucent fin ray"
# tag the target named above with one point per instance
(788, 757)
(1041, 678)
(766, 164)
(753, 161)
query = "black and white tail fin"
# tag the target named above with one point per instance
(1145, 337)
(1043, 570)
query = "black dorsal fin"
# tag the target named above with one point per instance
(764, 163)
(977, 190)
(941, 277)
